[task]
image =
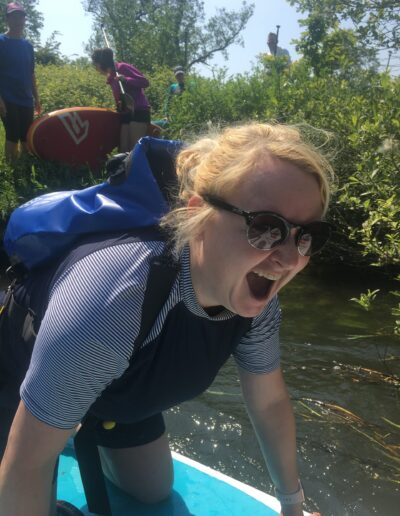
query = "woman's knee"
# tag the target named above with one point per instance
(148, 490)
(152, 494)
(145, 472)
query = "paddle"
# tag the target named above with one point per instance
(127, 103)
(277, 38)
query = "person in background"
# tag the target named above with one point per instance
(246, 220)
(18, 90)
(274, 49)
(134, 106)
(176, 88)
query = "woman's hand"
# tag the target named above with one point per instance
(38, 107)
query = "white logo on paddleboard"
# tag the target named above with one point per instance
(76, 127)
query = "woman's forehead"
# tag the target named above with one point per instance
(280, 186)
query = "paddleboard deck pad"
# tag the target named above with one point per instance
(77, 136)
(198, 491)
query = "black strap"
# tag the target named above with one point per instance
(88, 457)
(64, 508)
(4, 307)
(163, 272)
(6, 301)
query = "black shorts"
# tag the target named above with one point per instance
(128, 436)
(120, 436)
(142, 116)
(17, 122)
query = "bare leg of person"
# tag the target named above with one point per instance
(11, 151)
(145, 472)
(124, 139)
(136, 131)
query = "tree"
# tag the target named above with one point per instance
(34, 19)
(49, 53)
(152, 33)
(330, 49)
(377, 22)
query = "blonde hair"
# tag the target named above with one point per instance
(217, 164)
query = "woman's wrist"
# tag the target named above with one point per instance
(292, 510)
(293, 498)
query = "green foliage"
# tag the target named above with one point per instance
(30, 177)
(72, 85)
(377, 22)
(156, 33)
(330, 49)
(365, 300)
(49, 53)
(160, 78)
(372, 188)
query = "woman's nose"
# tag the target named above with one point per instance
(287, 253)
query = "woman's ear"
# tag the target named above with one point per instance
(195, 201)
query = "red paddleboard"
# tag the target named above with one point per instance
(77, 136)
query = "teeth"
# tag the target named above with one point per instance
(272, 277)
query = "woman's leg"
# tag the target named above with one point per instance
(145, 472)
(136, 131)
(11, 150)
(26, 119)
(124, 139)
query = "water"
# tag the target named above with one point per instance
(349, 450)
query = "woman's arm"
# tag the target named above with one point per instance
(270, 411)
(27, 468)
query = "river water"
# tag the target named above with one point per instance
(340, 364)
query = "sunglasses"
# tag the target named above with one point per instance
(266, 230)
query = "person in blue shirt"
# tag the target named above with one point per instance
(18, 90)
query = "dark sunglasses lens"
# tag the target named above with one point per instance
(266, 232)
(312, 238)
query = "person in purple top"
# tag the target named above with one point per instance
(136, 110)
(18, 91)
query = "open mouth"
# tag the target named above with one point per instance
(260, 286)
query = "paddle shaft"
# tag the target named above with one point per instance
(277, 39)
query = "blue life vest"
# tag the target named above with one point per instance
(46, 227)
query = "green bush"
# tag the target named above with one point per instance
(70, 85)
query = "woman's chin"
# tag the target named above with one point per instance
(252, 307)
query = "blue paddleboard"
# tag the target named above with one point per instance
(198, 491)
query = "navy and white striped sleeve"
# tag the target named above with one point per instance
(259, 350)
(87, 335)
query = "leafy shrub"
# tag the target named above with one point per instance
(70, 85)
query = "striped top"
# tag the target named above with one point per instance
(93, 318)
